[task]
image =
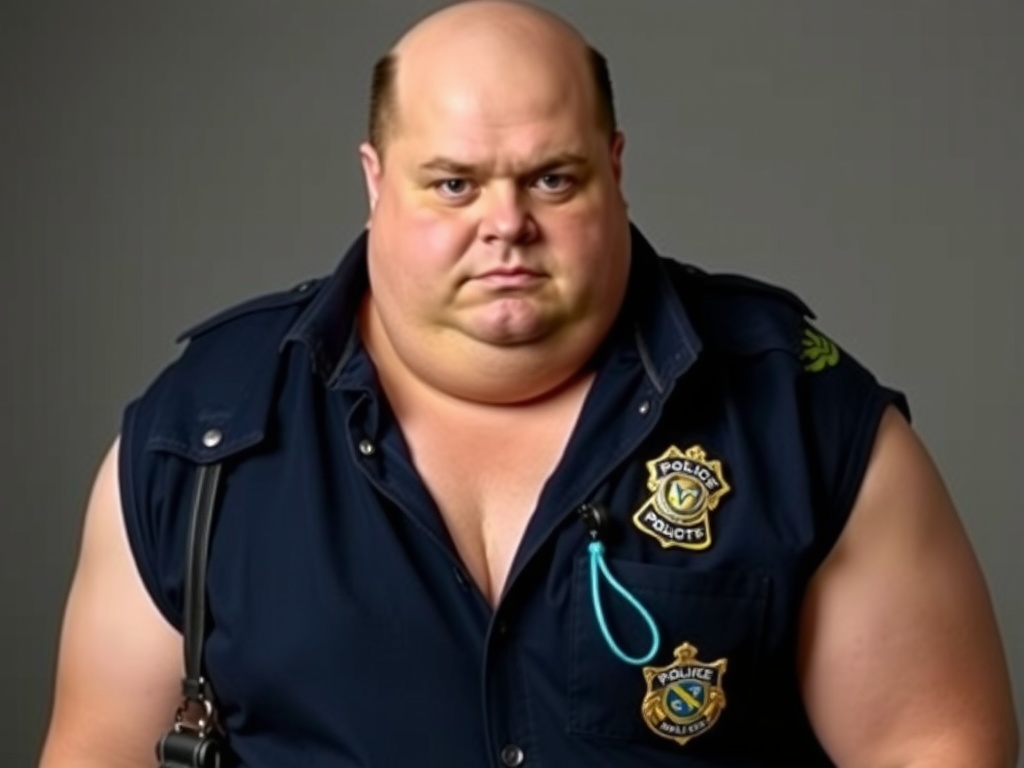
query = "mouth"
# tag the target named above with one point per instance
(510, 277)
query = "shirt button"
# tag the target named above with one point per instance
(512, 756)
(366, 447)
(212, 438)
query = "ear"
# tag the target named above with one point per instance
(372, 171)
(617, 148)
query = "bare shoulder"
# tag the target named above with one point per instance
(119, 664)
(901, 659)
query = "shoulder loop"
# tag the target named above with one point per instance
(216, 399)
(744, 283)
(741, 315)
(300, 294)
(734, 283)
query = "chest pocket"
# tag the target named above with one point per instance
(720, 613)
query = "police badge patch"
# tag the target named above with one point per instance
(684, 699)
(686, 486)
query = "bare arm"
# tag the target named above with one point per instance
(119, 666)
(901, 660)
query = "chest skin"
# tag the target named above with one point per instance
(485, 468)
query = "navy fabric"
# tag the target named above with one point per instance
(343, 630)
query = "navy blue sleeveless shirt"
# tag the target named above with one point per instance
(724, 438)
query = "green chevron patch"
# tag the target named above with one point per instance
(819, 352)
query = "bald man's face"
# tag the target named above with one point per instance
(497, 212)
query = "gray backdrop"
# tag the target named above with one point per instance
(161, 160)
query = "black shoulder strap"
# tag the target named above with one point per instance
(195, 743)
(194, 686)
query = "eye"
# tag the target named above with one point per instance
(453, 189)
(555, 183)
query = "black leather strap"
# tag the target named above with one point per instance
(194, 687)
(196, 744)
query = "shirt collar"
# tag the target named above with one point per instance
(328, 327)
(662, 333)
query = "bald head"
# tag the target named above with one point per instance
(488, 49)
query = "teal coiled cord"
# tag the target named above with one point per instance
(594, 519)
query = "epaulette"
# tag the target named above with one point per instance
(741, 315)
(216, 399)
(300, 294)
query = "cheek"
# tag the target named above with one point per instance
(584, 237)
(440, 240)
(417, 250)
(423, 238)
(588, 248)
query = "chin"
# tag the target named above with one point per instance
(512, 326)
(509, 337)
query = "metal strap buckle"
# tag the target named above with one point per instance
(185, 720)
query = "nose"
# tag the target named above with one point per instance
(506, 218)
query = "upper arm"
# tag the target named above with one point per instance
(900, 656)
(119, 664)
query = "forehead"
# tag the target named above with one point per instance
(507, 99)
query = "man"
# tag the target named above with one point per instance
(509, 489)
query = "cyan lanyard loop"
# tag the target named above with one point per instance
(593, 518)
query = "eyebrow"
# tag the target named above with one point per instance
(456, 168)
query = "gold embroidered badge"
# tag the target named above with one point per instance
(685, 698)
(686, 487)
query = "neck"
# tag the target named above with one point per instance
(471, 373)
